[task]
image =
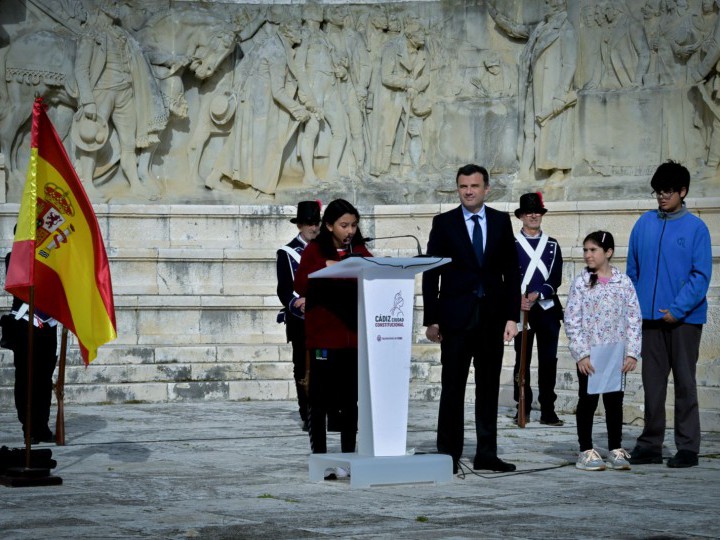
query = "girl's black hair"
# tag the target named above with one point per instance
(334, 211)
(606, 241)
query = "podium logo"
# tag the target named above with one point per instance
(389, 338)
(395, 316)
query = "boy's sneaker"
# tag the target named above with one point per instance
(590, 460)
(618, 460)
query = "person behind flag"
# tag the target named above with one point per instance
(44, 360)
(540, 260)
(602, 309)
(288, 260)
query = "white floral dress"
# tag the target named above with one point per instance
(606, 313)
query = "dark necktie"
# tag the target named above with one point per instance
(477, 239)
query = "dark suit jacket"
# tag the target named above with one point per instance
(449, 291)
(286, 268)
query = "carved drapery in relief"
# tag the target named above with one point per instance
(599, 92)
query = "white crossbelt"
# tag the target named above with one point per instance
(536, 263)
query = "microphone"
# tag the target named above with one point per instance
(419, 249)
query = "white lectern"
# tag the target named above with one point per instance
(386, 292)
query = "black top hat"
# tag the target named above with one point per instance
(308, 213)
(531, 203)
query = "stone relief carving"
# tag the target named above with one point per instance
(214, 101)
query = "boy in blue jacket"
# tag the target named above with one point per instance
(670, 263)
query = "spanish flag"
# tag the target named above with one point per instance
(58, 248)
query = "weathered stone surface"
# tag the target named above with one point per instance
(573, 98)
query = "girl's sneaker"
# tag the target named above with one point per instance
(590, 460)
(619, 459)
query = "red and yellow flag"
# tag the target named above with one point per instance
(58, 248)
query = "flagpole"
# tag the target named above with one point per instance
(60, 391)
(30, 362)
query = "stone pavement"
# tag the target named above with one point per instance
(239, 470)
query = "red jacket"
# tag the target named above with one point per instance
(331, 305)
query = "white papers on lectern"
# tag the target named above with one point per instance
(608, 361)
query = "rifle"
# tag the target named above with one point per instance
(60, 391)
(523, 369)
(305, 381)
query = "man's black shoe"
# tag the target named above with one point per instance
(683, 458)
(551, 420)
(642, 456)
(493, 464)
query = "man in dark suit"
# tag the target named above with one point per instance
(471, 309)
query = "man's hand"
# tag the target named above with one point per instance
(667, 316)
(528, 301)
(300, 304)
(433, 333)
(511, 330)
(585, 367)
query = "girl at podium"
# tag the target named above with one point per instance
(331, 327)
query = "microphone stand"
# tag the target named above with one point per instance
(419, 248)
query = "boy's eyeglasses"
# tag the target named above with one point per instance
(663, 193)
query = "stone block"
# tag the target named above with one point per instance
(204, 231)
(137, 392)
(134, 276)
(149, 223)
(185, 354)
(190, 276)
(198, 390)
(260, 390)
(252, 353)
(249, 276)
(114, 354)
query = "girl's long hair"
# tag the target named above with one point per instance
(334, 211)
(606, 241)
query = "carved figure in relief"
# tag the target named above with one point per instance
(677, 44)
(268, 114)
(493, 80)
(623, 51)
(115, 84)
(216, 110)
(705, 72)
(400, 105)
(629, 54)
(353, 70)
(319, 90)
(547, 93)
(180, 40)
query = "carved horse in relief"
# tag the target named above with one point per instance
(41, 63)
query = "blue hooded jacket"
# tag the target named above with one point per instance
(670, 263)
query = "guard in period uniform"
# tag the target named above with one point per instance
(540, 261)
(288, 259)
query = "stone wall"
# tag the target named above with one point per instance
(272, 102)
(196, 306)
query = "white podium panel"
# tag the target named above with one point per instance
(385, 322)
(388, 317)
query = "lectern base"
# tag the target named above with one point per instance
(367, 471)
